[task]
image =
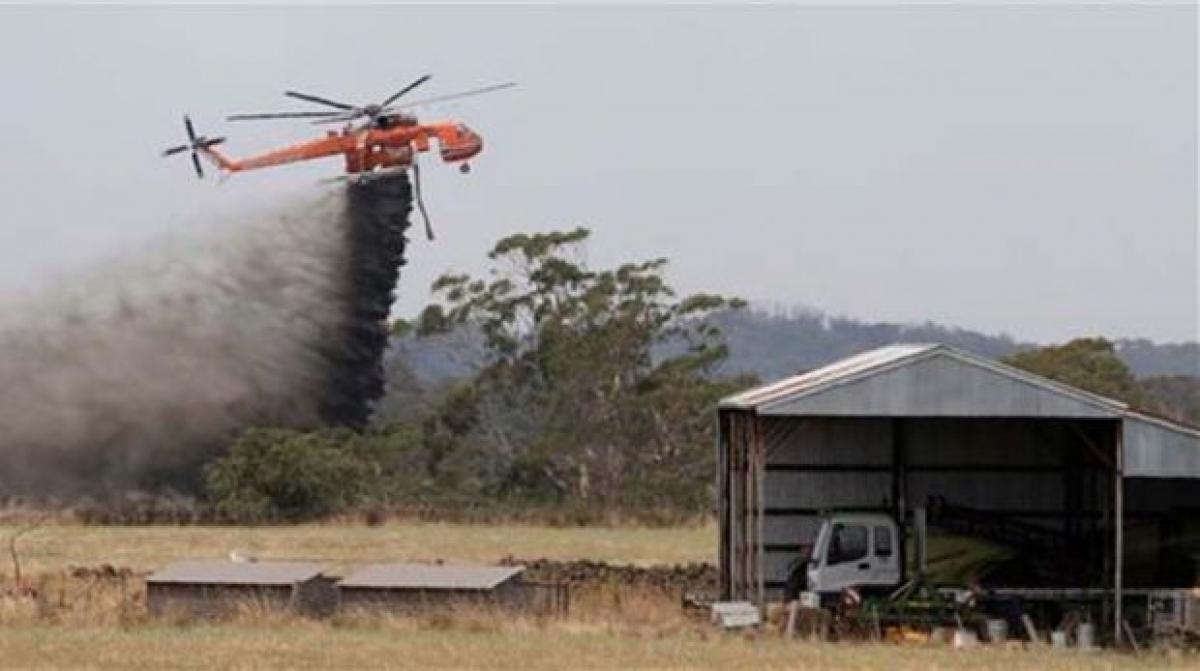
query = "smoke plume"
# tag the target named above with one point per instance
(135, 375)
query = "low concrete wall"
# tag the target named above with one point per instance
(314, 597)
(516, 596)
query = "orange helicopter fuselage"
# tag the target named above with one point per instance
(368, 148)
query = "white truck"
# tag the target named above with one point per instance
(866, 550)
(859, 550)
(861, 555)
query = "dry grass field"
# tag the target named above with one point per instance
(311, 646)
(87, 622)
(58, 546)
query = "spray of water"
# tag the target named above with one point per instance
(134, 375)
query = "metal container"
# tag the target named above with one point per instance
(965, 638)
(1085, 636)
(997, 630)
(1058, 639)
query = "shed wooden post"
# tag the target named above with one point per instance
(900, 493)
(722, 430)
(1118, 531)
(741, 528)
(735, 494)
(760, 470)
(747, 533)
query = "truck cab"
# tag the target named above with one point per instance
(860, 550)
(866, 550)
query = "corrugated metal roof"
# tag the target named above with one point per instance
(430, 576)
(237, 573)
(893, 356)
(839, 370)
(1163, 422)
(1155, 446)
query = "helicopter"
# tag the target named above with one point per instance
(377, 138)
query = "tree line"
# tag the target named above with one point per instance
(590, 397)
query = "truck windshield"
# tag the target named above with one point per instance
(848, 543)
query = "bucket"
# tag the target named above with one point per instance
(1058, 639)
(965, 638)
(1085, 636)
(997, 630)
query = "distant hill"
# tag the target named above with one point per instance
(1148, 358)
(772, 346)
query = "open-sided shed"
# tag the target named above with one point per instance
(890, 428)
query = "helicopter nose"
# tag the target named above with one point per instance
(465, 146)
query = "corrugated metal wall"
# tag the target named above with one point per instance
(1154, 451)
(796, 491)
(200, 600)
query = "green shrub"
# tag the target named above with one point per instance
(274, 475)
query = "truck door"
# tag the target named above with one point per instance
(885, 559)
(847, 560)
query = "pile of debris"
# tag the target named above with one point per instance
(101, 572)
(693, 577)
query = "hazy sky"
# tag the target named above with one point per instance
(1022, 169)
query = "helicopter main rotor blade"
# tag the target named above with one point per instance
(420, 80)
(175, 150)
(191, 130)
(455, 96)
(196, 162)
(281, 115)
(319, 100)
(342, 117)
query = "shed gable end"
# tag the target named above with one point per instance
(940, 385)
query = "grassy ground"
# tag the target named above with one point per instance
(323, 646)
(55, 547)
(86, 623)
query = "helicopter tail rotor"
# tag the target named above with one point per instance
(197, 144)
